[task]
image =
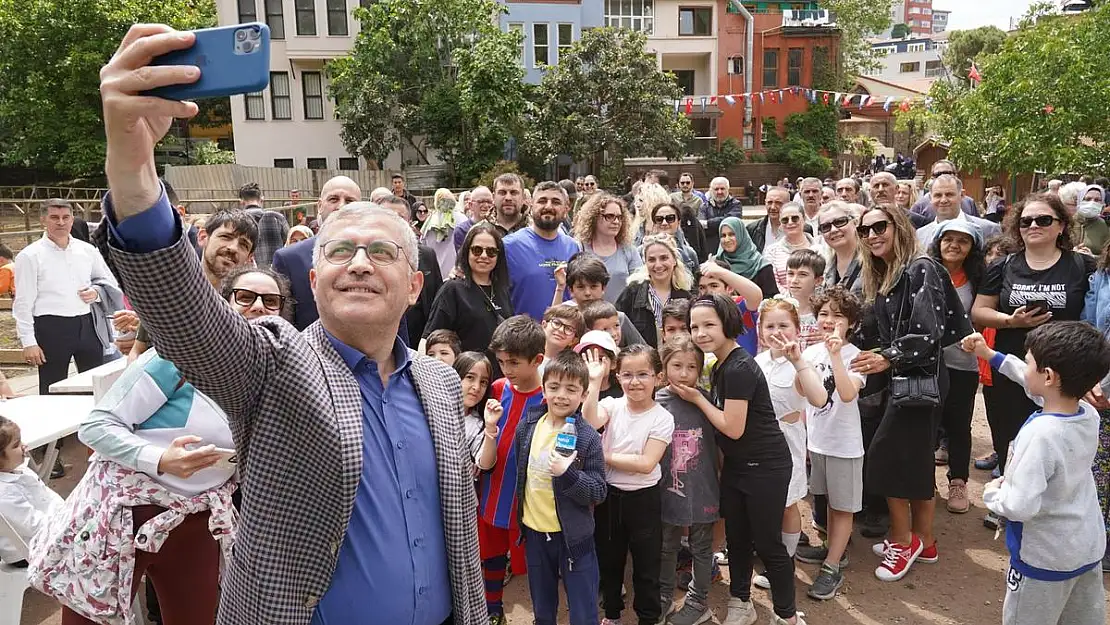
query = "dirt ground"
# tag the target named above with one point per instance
(965, 587)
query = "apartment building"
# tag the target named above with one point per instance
(919, 16)
(940, 20)
(548, 28)
(914, 62)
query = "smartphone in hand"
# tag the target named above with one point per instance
(232, 59)
(1040, 306)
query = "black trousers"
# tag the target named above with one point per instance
(752, 501)
(1007, 409)
(956, 419)
(63, 339)
(631, 521)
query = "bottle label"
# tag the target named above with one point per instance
(565, 441)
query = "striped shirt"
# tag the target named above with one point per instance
(497, 498)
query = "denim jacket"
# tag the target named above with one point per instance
(577, 491)
(1096, 307)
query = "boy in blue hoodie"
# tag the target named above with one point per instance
(557, 495)
(1055, 532)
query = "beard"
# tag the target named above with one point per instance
(547, 222)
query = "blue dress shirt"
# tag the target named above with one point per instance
(393, 562)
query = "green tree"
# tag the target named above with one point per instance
(430, 74)
(900, 31)
(965, 46)
(606, 97)
(858, 20)
(719, 161)
(808, 142)
(1041, 105)
(51, 52)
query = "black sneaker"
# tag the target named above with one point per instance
(817, 555)
(496, 619)
(826, 584)
(59, 470)
(994, 522)
(874, 525)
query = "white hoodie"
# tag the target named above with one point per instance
(25, 503)
(1055, 530)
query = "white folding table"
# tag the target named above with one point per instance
(82, 383)
(46, 419)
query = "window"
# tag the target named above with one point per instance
(885, 50)
(794, 67)
(306, 17)
(256, 105)
(632, 14)
(313, 91)
(337, 17)
(695, 22)
(934, 68)
(736, 65)
(566, 39)
(770, 127)
(749, 141)
(317, 163)
(771, 68)
(279, 95)
(685, 79)
(909, 68)
(275, 19)
(539, 45)
(915, 47)
(247, 11)
(348, 163)
(519, 28)
(283, 163)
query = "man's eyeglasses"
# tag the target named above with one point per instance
(790, 219)
(660, 219)
(246, 298)
(342, 252)
(879, 228)
(837, 223)
(612, 218)
(1042, 221)
(627, 377)
(477, 250)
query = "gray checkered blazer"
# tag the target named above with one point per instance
(296, 415)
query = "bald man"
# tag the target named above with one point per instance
(294, 261)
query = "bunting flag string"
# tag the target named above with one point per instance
(779, 96)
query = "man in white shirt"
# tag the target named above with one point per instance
(54, 279)
(945, 196)
(810, 190)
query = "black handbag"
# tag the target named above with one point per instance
(913, 391)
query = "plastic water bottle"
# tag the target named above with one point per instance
(567, 438)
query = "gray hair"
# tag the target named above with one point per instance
(1072, 192)
(1054, 184)
(720, 179)
(381, 192)
(54, 202)
(363, 213)
(855, 183)
(811, 181)
(885, 175)
(949, 178)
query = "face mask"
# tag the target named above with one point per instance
(1089, 210)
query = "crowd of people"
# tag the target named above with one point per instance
(395, 405)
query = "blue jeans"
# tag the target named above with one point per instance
(548, 561)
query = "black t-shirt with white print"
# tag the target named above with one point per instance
(1063, 285)
(739, 377)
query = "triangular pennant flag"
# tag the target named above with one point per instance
(928, 102)
(677, 103)
(825, 97)
(889, 101)
(863, 100)
(712, 99)
(973, 75)
(689, 105)
(905, 106)
(703, 99)
(848, 100)
(773, 99)
(782, 96)
(761, 99)
(731, 100)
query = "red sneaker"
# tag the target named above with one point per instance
(899, 558)
(929, 555)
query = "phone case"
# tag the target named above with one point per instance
(232, 59)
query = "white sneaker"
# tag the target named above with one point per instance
(740, 612)
(880, 549)
(777, 620)
(759, 580)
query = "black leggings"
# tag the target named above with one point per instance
(1007, 409)
(752, 501)
(956, 419)
(631, 521)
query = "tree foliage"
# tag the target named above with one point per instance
(719, 161)
(606, 96)
(858, 20)
(502, 167)
(1042, 102)
(900, 31)
(808, 142)
(51, 52)
(965, 46)
(430, 74)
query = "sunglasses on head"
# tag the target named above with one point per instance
(879, 228)
(837, 223)
(246, 298)
(789, 219)
(659, 219)
(477, 250)
(1042, 221)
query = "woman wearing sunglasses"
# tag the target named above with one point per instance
(662, 278)
(473, 305)
(663, 217)
(792, 221)
(161, 445)
(603, 227)
(918, 313)
(1043, 281)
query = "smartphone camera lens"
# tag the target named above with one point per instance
(240, 35)
(256, 32)
(248, 47)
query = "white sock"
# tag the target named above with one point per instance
(791, 541)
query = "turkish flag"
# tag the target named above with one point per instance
(973, 74)
(905, 107)
(825, 98)
(773, 99)
(689, 105)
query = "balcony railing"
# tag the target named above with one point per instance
(808, 18)
(934, 72)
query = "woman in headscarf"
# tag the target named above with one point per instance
(439, 228)
(298, 233)
(739, 252)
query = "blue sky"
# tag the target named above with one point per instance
(982, 12)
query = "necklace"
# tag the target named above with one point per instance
(493, 307)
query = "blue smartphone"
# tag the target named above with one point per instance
(232, 59)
